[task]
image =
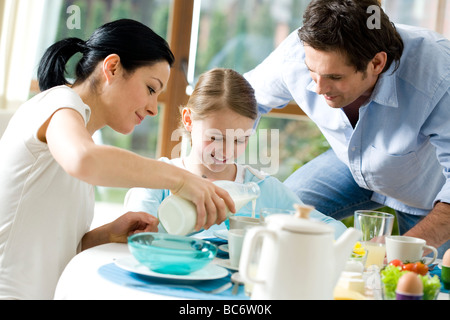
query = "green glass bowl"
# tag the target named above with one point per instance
(170, 254)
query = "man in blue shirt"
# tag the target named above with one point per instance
(380, 94)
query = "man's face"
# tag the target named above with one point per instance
(336, 80)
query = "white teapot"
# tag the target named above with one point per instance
(299, 259)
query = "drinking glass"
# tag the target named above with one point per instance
(235, 241)
(374, 226)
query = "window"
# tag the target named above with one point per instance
(446, 19)
(414, 12)
(93, 14)
(239, 35)
(430, 14)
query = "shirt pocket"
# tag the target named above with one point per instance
(389, 174)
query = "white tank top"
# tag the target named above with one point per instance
(44, 212)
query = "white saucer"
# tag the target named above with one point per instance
(210, 272)
(427, 261)
(225, 263)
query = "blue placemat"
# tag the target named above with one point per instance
(119, 276)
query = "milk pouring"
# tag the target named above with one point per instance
(178, 216)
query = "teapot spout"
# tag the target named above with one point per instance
(343, 248)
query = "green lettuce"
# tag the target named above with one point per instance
(390, 275)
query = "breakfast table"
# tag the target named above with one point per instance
(94, 274)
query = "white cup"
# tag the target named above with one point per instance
(235, 241)
(407, 249)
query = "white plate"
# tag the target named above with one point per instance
(222, 234)
(223, 247)
(210, 272)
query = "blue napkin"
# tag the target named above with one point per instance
(119, 276)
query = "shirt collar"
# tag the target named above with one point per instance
(312, 86)
(385, 92)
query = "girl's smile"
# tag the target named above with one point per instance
(217, 141)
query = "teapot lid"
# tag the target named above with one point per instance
(298, 225)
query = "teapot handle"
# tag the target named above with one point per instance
(249, 248)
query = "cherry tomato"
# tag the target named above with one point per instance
(396, 262)
(417, 267)
(408, 267)
(421, 268)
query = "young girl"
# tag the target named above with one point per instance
(49, 161)
(220, 117)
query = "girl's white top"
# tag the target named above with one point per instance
(44, 212)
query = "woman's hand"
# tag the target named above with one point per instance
(131, 223)
(119, 230)
(211, 201)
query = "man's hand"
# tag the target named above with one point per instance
(435, 227)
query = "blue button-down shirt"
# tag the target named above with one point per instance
(400, 147)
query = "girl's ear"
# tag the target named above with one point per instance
(110, 67)
(187, 119)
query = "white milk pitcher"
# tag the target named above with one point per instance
(178, 216)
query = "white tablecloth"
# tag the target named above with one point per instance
(81, 280)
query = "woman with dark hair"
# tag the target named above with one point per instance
(380, 94)
(49, 162)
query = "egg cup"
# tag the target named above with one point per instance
(445, 277)
(408, 296)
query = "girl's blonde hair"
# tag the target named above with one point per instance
(222, 88)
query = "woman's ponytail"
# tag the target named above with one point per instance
(135, 43)
(52, 68)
